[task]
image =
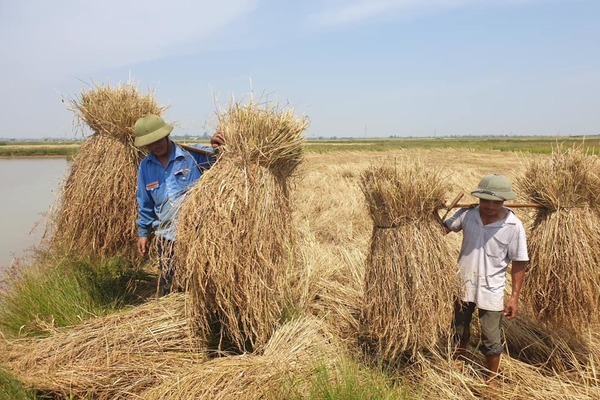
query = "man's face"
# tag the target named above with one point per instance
(490, 208)
(160, 148)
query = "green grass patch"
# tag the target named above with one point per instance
(531, 144)
(62, 292)
(12, 389)
(38, 151)
(539, 145)
(39, 142)
(354, 382)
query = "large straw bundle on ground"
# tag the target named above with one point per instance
(410, 275)
(110, 357)
(97, 209)
(440, 377)
(563, 281)
(234, 236)
(533, 343)
(289, 358)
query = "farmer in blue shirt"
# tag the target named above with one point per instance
(165, 175)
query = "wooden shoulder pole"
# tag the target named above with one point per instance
(453, 204)
(509, 205)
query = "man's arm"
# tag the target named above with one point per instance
(145, 215)
(205, 156)
(454, 223)
(518, 275)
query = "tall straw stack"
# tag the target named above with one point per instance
(234, 236)
(563, 282)
(410, 276)
(97, 210)
(110, 357)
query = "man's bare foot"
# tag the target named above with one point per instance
(492, 389)
(494, 383)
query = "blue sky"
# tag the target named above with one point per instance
(355, 68)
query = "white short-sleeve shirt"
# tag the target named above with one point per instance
(485, 254)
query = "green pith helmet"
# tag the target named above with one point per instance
(494, 187)
(149, 129)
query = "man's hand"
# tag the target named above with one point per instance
(512, 308)
(217, 140)
(437, 217)
(142, 246)
(518, 274)
(440, 221)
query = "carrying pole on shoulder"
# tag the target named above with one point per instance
(453, 204)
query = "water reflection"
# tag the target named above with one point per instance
(29, 187)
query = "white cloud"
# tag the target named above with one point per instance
(47, 45)
(69, 36)
(339, 12)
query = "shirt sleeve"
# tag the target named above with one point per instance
(204, 161)
(518, 248)
(455, 222)
(146, 213)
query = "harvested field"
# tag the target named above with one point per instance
(333, 230)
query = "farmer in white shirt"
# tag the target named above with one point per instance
(493, 237)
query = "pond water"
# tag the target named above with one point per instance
(29, 187)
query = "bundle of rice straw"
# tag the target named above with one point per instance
(110, 357)
(234, 237)
(563, 284)
(410, 283)
(97, 210)
(289, 358)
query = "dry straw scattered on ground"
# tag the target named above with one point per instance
(110, 357)
(329, 285)
(440, 377)
(288, 358)
(553, 349)
(96, 212)
(234, 237)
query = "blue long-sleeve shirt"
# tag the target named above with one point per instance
(161, 189)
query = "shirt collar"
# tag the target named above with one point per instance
(511, 218)
(176, 153)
